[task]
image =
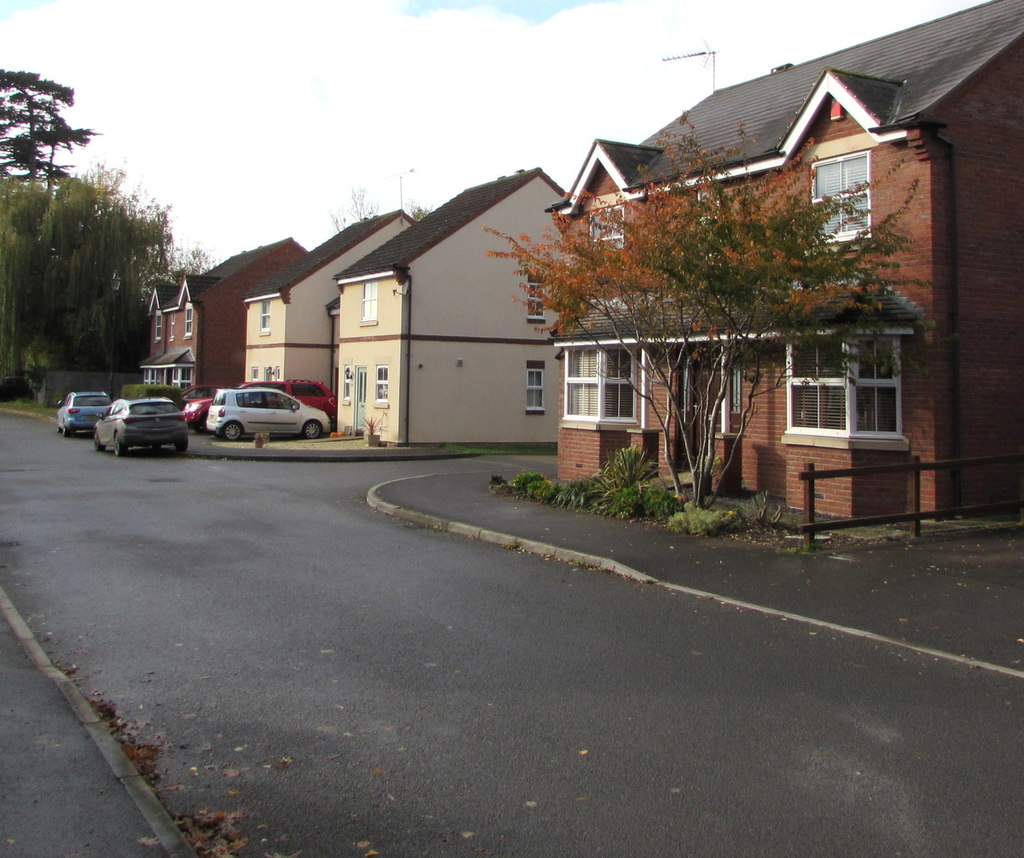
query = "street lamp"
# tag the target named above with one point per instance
(115, 285)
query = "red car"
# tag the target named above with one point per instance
(313, 393)
(195, 412)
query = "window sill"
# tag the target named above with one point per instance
(367, 323)
(531, 412)
(837, 443)
(599, 425)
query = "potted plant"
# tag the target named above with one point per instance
(372, 425)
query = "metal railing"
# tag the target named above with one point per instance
(914, 514)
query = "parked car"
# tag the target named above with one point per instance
(141, 423)
(15, 387)
(245, 411)
(198, 391)
(80, 411)
(314, 393)
(195, 412)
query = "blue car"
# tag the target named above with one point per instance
(80, 411)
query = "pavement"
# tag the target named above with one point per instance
(956, 594)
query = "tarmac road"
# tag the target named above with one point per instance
(356, 684)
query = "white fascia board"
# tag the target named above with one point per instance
(270, 296)
(829, 85)
(598, 158)
(363, 278)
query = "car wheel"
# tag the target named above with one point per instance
(181, 446)
(96, 443)
(232, 431)
(67, 432)
(120, 449)
(312, 429)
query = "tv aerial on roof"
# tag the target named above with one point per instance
(708, 56)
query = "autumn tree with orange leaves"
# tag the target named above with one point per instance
(703, 279)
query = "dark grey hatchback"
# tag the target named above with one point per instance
(141, 423)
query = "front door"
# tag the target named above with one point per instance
(360, 406)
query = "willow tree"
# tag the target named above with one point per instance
(59, 251)
(703, 279)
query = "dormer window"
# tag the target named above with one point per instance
(845, 177)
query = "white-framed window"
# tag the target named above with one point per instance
(268, 373)
(381, 391)
(534, 303)
(264, 317)
(535, 385)
(158, 328)
(182, 376)
(188, 321)
(346, 384)
(170, 331)
(599, 384)
(846, 390)
(606, 225)
(847, 177)
(149, 376)
(254, 373)
(369, 305)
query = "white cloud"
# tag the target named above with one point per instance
(254, 119)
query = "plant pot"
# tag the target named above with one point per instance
(372, 440)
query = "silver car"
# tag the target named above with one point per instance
(141, 423)
(245, 411)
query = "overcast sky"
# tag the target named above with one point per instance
(254, 120)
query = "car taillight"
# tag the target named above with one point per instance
(131, 419)
(73, 410)
(220, 412)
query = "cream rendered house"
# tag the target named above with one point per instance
(290, 331)
(437, 341)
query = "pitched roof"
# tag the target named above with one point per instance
(323, 255)
(898, 79)
(401, 250)
(199, 283)
(239, 261)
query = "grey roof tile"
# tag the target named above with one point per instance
(323, 255)
(927, 62)
(401, 250)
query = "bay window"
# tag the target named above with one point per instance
(599, 384)
(845, 390)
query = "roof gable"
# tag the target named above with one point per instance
(885, 84)
(927, 63)
(400, 251)
(281, 282)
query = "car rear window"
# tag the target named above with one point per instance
(143, 409)
(83, 401)
(307, 390)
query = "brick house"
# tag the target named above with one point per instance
(946, 100)
(197, 327)
(436, 338)
(291, 317)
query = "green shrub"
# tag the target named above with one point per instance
(623, 503)
(659, 503)
(523, 483)
(628, 467)
(704, 522)
(579, 494)
(544, 491)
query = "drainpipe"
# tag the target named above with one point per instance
(406, 293)
(956, 426)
